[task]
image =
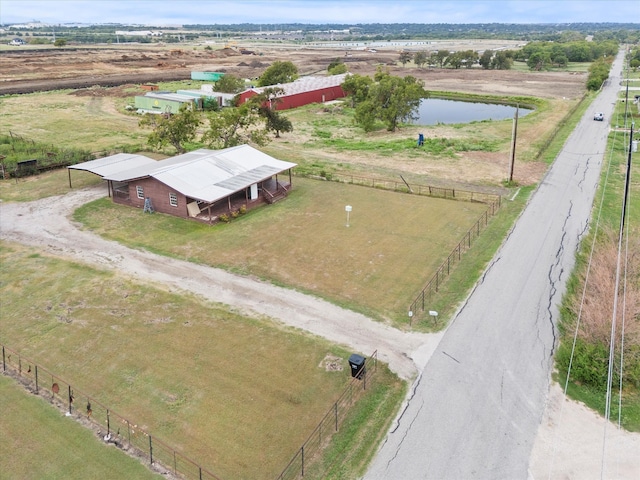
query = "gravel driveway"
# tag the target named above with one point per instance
(46, 224)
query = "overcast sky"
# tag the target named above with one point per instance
(176, 12)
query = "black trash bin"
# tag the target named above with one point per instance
(357, 365)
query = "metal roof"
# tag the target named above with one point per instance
(115, 163)
(306, 84)
(209, 175)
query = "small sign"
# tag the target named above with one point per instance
(347, 208)
(433, 313)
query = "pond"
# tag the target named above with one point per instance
(437, 110)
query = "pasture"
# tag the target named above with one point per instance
(216, 386)
(377, 265)
(37, 441)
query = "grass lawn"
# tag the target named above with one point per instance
(235, 394)
(377, 265)
(45, 444)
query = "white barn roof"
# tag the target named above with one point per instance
(209, 175)
(307, 84)
(115, 163)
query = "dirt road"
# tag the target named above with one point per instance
(45, 224)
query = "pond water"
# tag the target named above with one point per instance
(437, 110)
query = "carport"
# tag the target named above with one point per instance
(112, 164)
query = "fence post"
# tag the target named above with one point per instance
(335, 407)
(150, 450)
(70, 397)
(4, 361)
(129, 432)
(108, 423)
(37, 389)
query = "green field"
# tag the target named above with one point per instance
(216, 386)
(393, 245)
(37, 441)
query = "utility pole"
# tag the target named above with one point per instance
(513, 143)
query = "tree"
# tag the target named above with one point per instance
(276, 122)
(229, 84)
(539, 60)
(234, 126)
(405, 57)
(267, 104)
(356, 87)
(337, 67)
(391, 100)
(420, 58)
(502, 60)
(469, 58)
(174, 130)
(439, 57)
(60, 42)
(278, 72)
(454, 60)
(485, 59)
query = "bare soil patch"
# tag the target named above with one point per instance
(28, 70)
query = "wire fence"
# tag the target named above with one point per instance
(112, 427)
(310, 451)
(402, 185)
(417, 308)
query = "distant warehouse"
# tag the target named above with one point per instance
(165, 102)
(303, 91)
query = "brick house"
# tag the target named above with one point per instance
(202, 185)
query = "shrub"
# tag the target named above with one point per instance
(224, 218)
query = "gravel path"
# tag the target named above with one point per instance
(46, 224)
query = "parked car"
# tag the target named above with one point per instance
(599, 117)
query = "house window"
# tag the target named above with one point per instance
(140, 192)
(173, 200)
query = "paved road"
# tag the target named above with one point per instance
(478, 403)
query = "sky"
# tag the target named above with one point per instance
(178, 12)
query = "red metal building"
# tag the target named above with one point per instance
(303, 91)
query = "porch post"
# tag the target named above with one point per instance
(69, 171)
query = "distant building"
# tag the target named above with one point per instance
(303, 91)
(17, 42)
(139, 33)
(165, 102)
